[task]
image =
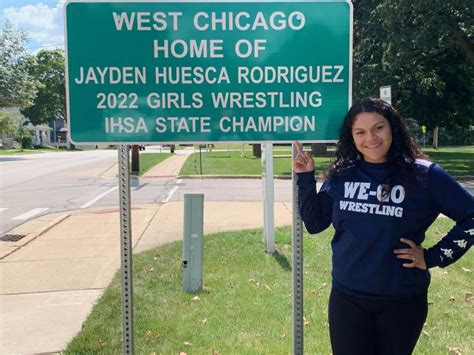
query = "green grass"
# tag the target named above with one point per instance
(149, 160)
(231, 163)
(246, 304)
(458, 161)
(30, 151)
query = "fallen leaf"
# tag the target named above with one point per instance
(151, 269)
(151, 335)
(187, 343)
(204, 321)
(468, 297)
(195, 298)
(306, 322)
(282, 335)
(454, 351)
(101, 343)
(466, 269)
(452, 298)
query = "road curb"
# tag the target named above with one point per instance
(35, 234)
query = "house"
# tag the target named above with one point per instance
(53, 133)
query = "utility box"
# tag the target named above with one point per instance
(193, 242)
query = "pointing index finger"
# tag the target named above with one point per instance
(299, 148)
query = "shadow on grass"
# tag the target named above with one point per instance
(218, 156)
(282, 261)
(457, 163)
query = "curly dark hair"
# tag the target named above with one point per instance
(403, 150)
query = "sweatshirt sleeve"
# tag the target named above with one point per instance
(315, 208)
(456, 203)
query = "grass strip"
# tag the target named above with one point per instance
(232, 163)
(246, 304)
(457, 161)
(149, 160)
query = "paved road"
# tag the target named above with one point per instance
(36, 184)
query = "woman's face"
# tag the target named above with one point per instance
(372, 136)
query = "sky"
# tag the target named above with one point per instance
(43, 21)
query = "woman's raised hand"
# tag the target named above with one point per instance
(304, 161)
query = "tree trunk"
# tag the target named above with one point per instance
(435, 137)
(135, 158)
(319, 149)
(257, 150)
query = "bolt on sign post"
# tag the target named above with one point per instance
(207, 71)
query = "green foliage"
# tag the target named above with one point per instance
(50, 101)
(6, 123)
(17, 86)
(24, 137)
(424, 50)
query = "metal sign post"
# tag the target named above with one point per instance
(268, 197)
(126, 248)
(297, 267)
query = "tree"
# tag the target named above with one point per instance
(25, 138)
(50, 101)
(17, 87)
(7, 125)
(424, 51)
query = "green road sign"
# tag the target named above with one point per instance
(248, 71)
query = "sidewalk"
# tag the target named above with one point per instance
(51, 279)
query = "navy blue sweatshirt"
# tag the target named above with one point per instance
(368, 226)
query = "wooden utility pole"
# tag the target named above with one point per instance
(135, 158)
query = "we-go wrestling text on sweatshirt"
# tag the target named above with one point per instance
(369, 224)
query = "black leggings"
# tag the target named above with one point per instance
(360, 326)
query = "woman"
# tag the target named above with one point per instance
(381, 196)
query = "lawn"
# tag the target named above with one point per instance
(30, 151)
(149, 160)
(246, 304)
(232, 163)
(458, 161)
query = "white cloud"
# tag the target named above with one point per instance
(43, 23)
